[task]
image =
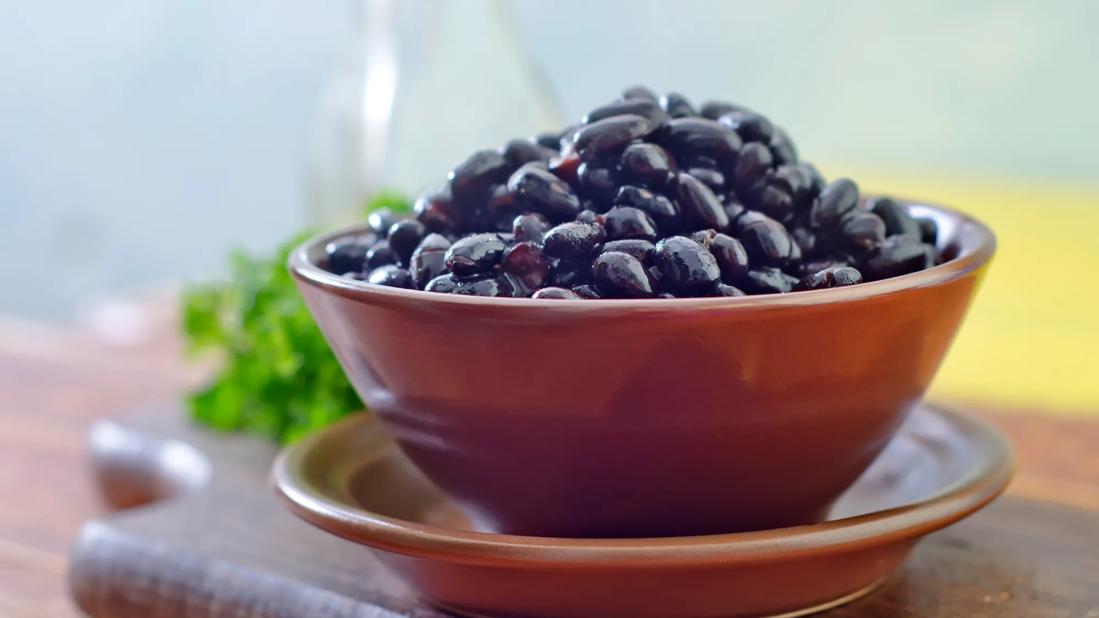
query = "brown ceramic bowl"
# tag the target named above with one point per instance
(632, 418)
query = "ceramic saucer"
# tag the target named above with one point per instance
(352, 481)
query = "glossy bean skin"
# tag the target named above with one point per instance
(428, 260)
(768, 243)
(685, 137)
(767, 280)
(724, 289)
(782, 148)
(664, 212)
(390, 276)
(527, 263)
(708, 176)
(573, 241)
(348, 255)
(485, 285)
(750, 126)
(863, 231)
(567, 274)
(443, 284)
(543, 192)
(608, 135)
(834, 277)
(752, 165)
(597, 183)
(438, 213)
(895, 217)
(637, 107)
(898, 255)
(929, 230)
(638, 248)
(519, 152)
(404, 236)
(700, 206)
(587, 291)
(380, 254)
(626, 222)
(731, 256)
(621, 275)
(556, 294)
(716, 109)
(644, 164)
(677, 105)
(472, 178)
(529, 227)
(839, 197)
(381, 220)
(475, 254)
(639, 92)
(686, 267)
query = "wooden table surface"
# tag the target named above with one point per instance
(55, 381)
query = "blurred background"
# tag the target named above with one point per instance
(142, 140)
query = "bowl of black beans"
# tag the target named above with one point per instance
(562, 298)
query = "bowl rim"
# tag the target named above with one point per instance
(981, 482)
(977, 240)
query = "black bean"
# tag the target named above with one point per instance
(519, 152)
(354, 276)
(748, 217)
(391, 276)
(709, 176)
(838, 198)
(623, 222)
(527, 262)
(530, 226)
(573, 241)
(830, 278)
(597, 183)
(621, 275)
(733, 209)
(782, 149)
(486, 285)
(639, 92)
(767, 280)
(768, 243)
(699, 205)
(806, 240)
(685, 266)
(404, 236)
(381, 254)
(610, 135)
(567, 274)
(639, 107)
(551, 140)
(677, 105)
(816, 180)
(475, 254)
(731, 256)
(716, 109)
(896, 218)
(587, 291)
(566, 142)
(471, 180)
(541, 191)
(438, 213)
(640, 249)
(445, 284)
(724, 289)
(863, 231)
(429, 260)
(663, 211)
(348, 255)
(816, 265)
(646, 164)
(929, 230)
(773, 199)
(752, 165)
(898, 255)
(797, 182)
(381, 220)
(750, 126)
(588, 215)
(691, 137)
(556, 293)
(501, 208)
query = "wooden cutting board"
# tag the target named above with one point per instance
(200, 533)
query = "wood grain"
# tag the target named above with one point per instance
(229, 549)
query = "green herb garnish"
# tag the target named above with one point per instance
(279, 377)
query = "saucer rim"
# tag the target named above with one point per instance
(982, 482)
